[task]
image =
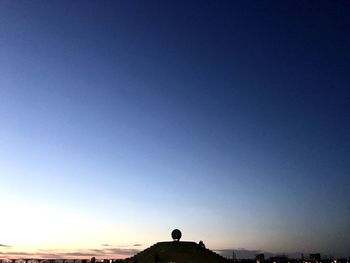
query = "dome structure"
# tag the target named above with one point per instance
(176, 234)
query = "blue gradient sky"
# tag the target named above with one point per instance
(121, 120)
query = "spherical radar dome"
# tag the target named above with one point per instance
(176, 234)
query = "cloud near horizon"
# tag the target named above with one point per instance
(116, 252)
(242, 253)
(3, 245)
(112, 252)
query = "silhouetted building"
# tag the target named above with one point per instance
(316, 256)
(234, 256)
(260, 258)
(279, 259)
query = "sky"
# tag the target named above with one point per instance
(122, 120)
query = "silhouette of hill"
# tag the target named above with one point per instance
(177, 251)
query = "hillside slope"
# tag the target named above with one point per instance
(179, 252)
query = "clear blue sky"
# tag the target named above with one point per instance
(227, 119)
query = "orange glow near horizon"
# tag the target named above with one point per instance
(29, 231)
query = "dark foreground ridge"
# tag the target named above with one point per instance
(177, 251)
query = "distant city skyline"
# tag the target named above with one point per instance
(122, 120)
